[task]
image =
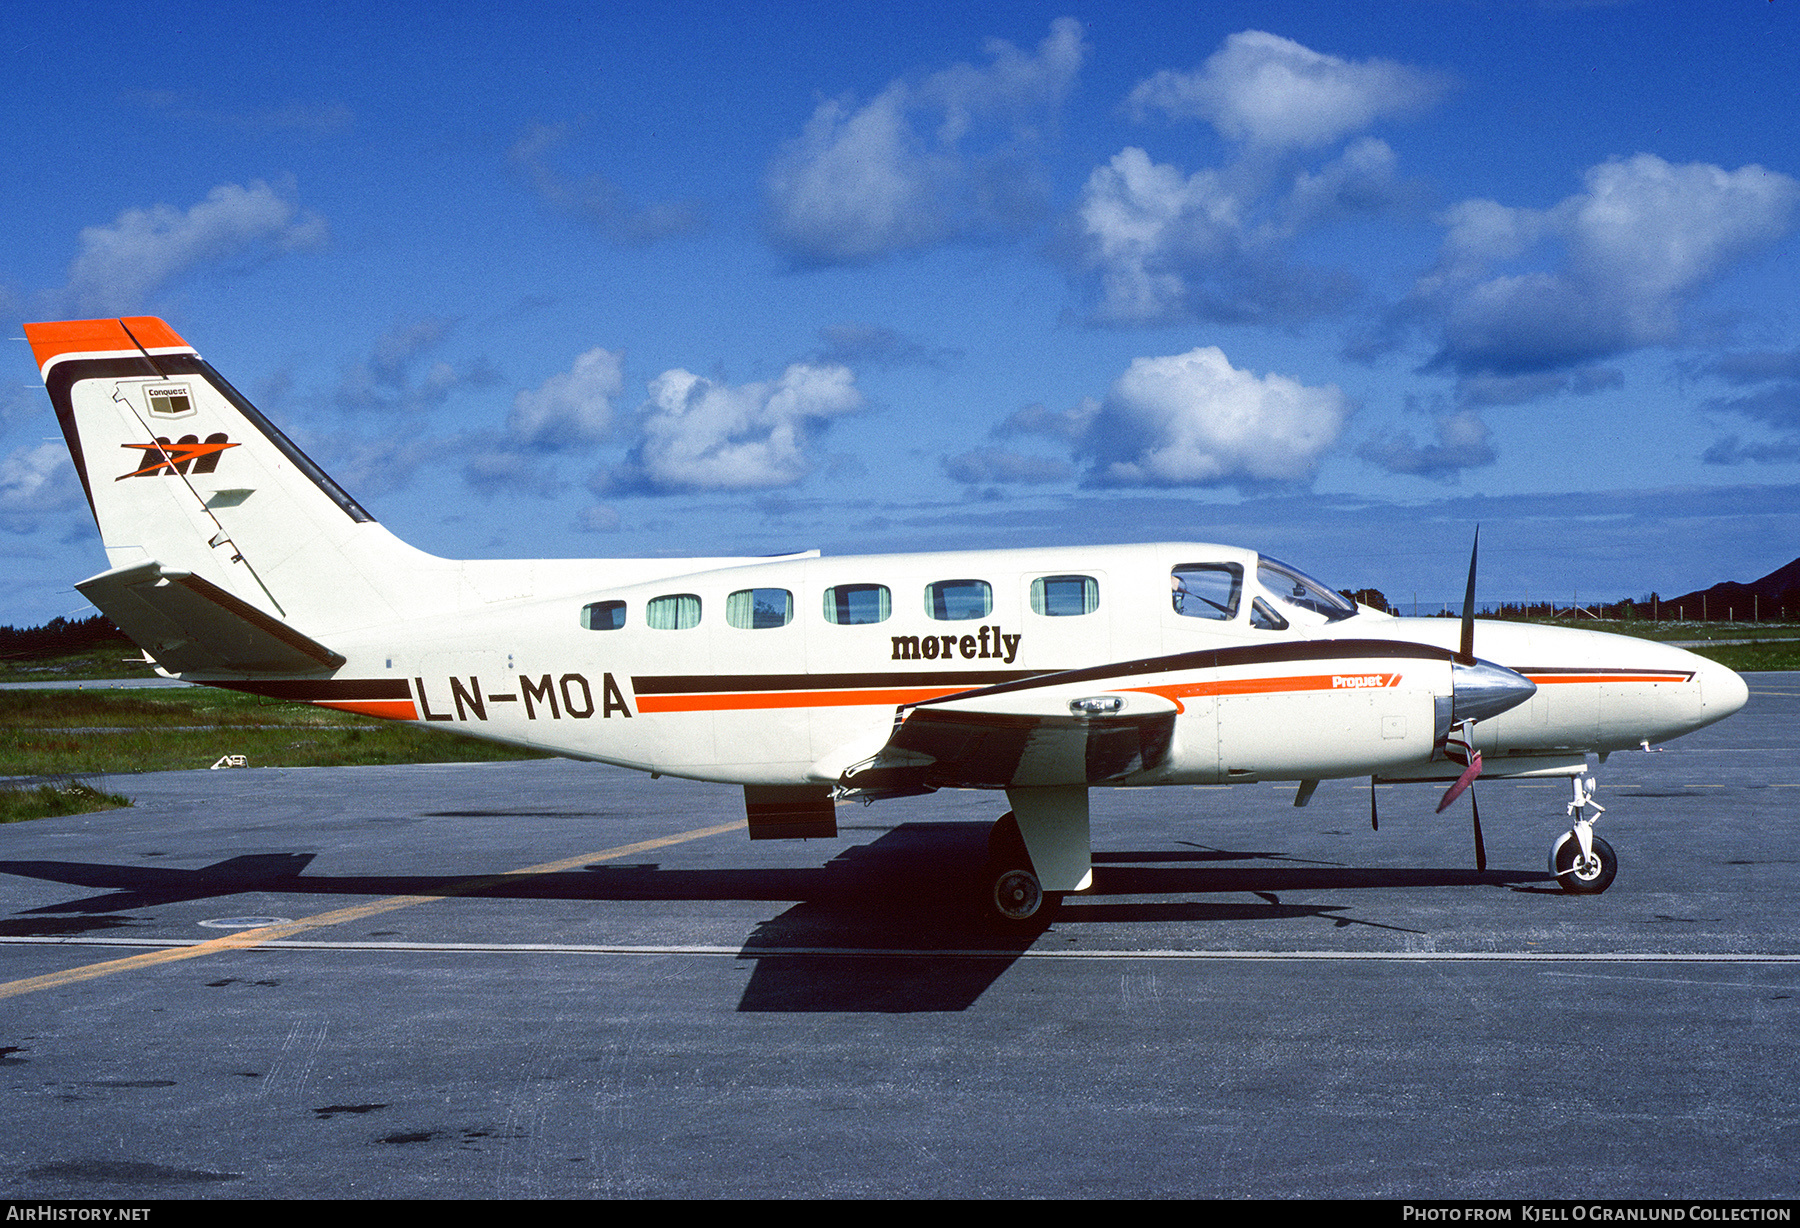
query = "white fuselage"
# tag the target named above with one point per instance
(802, 700)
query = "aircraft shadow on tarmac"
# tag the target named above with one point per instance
(893, 925)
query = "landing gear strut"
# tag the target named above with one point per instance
(1583, 863)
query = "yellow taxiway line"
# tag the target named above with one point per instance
(246, 939)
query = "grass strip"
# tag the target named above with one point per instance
(49, 799)
(82, 733)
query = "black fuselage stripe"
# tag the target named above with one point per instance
(719, 684)
(997, 681)
(1288, 653)
(1673, 675)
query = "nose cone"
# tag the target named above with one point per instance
(1721, 691)
(1484, 689)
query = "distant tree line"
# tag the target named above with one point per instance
(59, 638)
(1692, 607)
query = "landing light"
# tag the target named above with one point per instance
(1097, 705)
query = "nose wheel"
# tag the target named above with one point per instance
(1581, 873)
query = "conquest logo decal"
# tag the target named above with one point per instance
(1342, 681)
(186, 455)
(169, 400)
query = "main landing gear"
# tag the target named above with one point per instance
(1037, 853)
(1583, 863)
(1014, 890)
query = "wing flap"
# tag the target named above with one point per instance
(188, 623)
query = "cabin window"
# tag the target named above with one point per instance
(1062, 596)
(850, 605)
(958, 600)
(603, 616)
(752, 609)
(676, 612)
(1207, 590)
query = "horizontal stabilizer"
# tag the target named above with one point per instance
(188, 623)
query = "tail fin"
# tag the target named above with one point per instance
(183, 472)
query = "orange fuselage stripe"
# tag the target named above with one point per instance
(887, 696)
(727, 701)
(387, 709)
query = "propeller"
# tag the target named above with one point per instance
(1461, 747)
(1474, 676)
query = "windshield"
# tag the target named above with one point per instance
(1296, 590)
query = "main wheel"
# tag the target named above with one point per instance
(1017, 895)
(1579, 877)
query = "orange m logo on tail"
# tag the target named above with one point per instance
(167, 458)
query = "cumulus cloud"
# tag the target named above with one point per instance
(121, 265)
(1161, 247)
(595, 199)
(572, 408)
(1070, 425)
(1195, 420)
(398, 376)
(697, 434)
(1157, 245)
(1753, 366)
(1271, 92)
(1463, 442)
(1733, 451)
(1624, 256)
(922, 162)
(570, 412)
(34, 481)
(1775, 405)
(1520, 389)
(871, 345)
(378, 465)
(990, 466)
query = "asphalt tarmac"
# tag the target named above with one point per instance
(552, 979)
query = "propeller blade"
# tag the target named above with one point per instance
(1467, 651)
(1462, 782)
(1480, 845)
(1374, 819)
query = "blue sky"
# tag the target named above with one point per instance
(1332, 281)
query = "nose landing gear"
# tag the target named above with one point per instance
(1582, 862)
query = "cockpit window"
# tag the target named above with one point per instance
(1207, 590)
(1294, 588)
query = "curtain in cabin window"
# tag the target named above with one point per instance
(753, 609)
(676, 612)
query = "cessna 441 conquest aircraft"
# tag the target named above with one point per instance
(237, 562)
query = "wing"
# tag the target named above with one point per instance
(1067, 733)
